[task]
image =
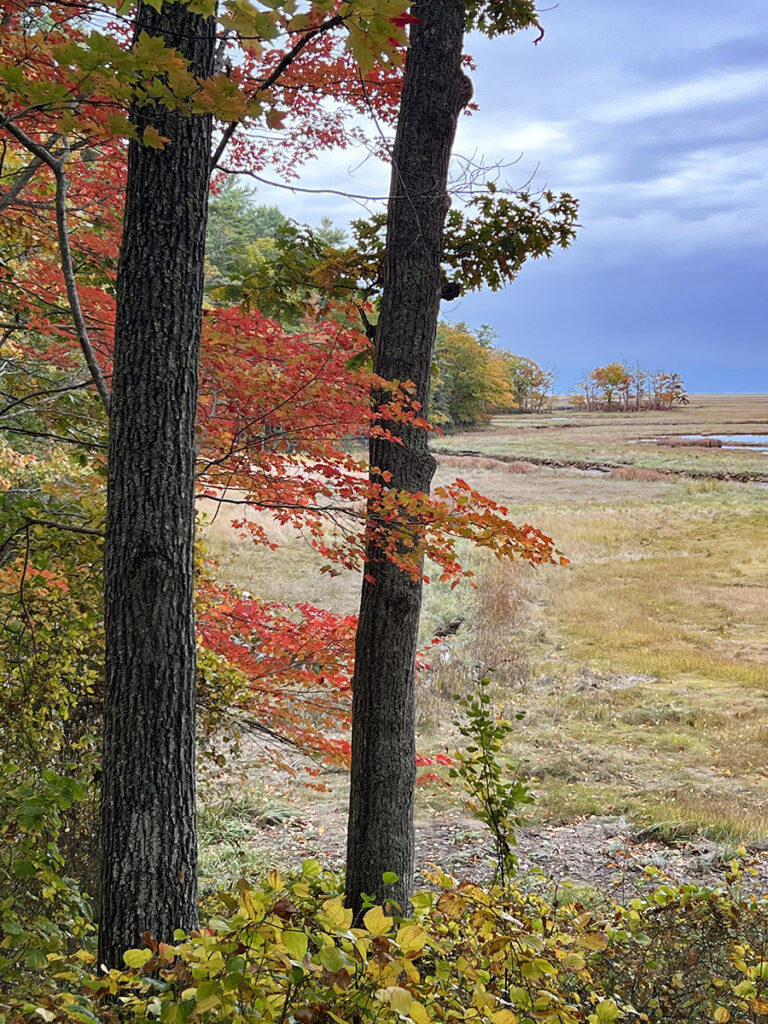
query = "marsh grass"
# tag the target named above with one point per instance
(643, 665)
(627, 439)
(291, 573)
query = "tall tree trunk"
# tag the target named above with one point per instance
(380, 836)
(149, 842)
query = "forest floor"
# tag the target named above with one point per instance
(642, 668)
(606, 855)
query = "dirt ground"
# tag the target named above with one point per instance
(605, 854)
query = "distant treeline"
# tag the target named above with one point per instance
(620, 387)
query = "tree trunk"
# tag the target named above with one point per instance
(149, 842)
(380, 835)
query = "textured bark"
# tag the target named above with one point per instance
(380, 835)
(149, 843)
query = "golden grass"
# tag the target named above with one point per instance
(478, 462)
(290, 574)
(636, 473)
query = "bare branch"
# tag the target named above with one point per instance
(67, 266)
(54, 524)
(80, 442)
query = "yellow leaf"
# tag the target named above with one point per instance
(339, 916)
(411, 939)
(595, 941)
(137, 957)
(452, 905)
(207, 1004)
(759, 1005)
(504, 1017)
(419, 1015)
(400, 999)
(574, 961)
(253, 907)
(377, 922)
(722, 1014)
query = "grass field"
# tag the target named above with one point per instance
(643, 665)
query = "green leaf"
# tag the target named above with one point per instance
(362, 359)
(333, 959)
(152, 138)
(296, 943)
(137, 957)
(311, 868)
(607, 1011)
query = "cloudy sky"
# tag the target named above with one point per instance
(655, 115)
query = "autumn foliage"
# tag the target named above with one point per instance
(282, 400)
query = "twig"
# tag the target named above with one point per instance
(52, 524)
(23, 177)
(26, 399)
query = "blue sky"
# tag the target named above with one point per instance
(654, 115)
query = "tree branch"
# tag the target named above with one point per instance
(270, 80)
(67, 266)
(54, 524)
(23, 177)
(26, 399)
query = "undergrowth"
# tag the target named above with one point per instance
(285, 949)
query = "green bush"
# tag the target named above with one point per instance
(495, 794)
(44, 918)
(689, 953)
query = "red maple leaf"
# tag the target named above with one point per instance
(401, 20)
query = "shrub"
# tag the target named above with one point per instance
(689, 953)
(287, 950)
(43, 914)
(495, 796)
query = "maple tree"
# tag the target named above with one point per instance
(527, 381)
(380, 834)
(165, 90)
(278, 397)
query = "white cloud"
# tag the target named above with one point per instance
(501, 134)
(723, 88)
